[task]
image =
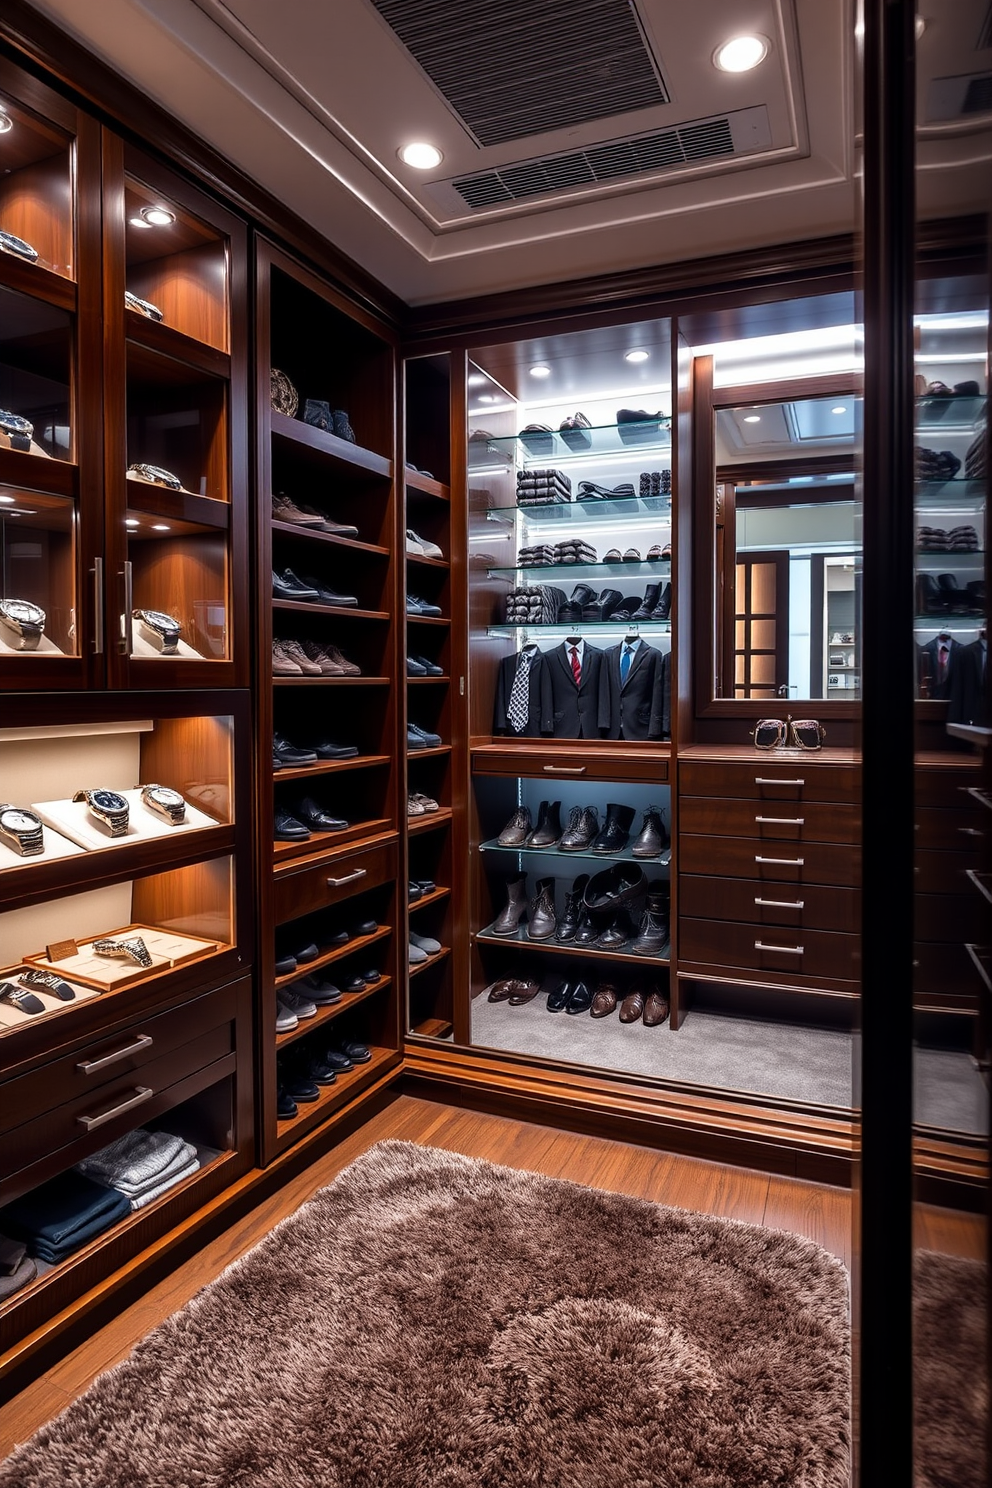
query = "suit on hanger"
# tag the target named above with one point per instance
(575, 707)
(634, 708)
(539, 699)
(928, 665)
(967, 692)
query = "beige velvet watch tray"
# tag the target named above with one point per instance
(75, 820)
(107, 973)
(12, 1017)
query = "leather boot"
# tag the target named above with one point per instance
(614, 889)
(652, 594)
(603, 607)
(583, 825)
(548, 828)
(515, 833)
(663, 608)
(515, 910)
(616, 833)
(930, 600)
(652, 932)
(586, 930)
(582, 594)
(653, 837)
(569, 922)
(543, 918)
(616, 934)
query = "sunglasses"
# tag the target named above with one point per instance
(799, 733)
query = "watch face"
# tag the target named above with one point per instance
(156, 475)
(165, 796)
(11, 244)
(108, 800)
(158, 620)
(12, 423)
(23, 610)
(19, 821)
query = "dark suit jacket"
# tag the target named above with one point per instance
(636, 710)
(967, 692)
(539, 699)
(576, 709)
(927, 666)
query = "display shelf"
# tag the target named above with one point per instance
(342, 453)
(660, 568)
(576, 952)
(325, 1015)
(433, 681)
(35, 279)
(608, 629)
(162, 340)
(289, 530)
(310, 607)
(319, 840)
(962, 493)
(492, 845)
(434, 897)
(960, 414)
(603, 439)
(355, 946)
(548, 513)
(434, 752)
(29, 473)
(331, 682)
(347, 1085)
(190, 514)
(423, 562)
(429, 822)
(419, 486)
(435, 960)
(330, 767)
(437, 620)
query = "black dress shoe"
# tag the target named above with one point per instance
(366, 927)
(313, 815)
(580, 998)
(558, 997)
(614, 889)
(583, 826)
(320, 1072)
(285, 963)
(426, 885)
(616, 833)
(653, 837)
(430, 667)
(414, 668)
(330, 749)
(355, 1050)
(301, 1088)
(615, 936)
(286, 1107)
(287, 586)
(569, 921)
(371, 975)
(354, 984)
(322, 992)
(289, 754)
(586, 931)
(337, 1059)
(288, 829)
(327, 595)
(308, 952)
(339, 938)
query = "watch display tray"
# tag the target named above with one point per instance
(75, 820)
(9, 646)
(106, 973)
(55, 846)
(142, 647)
(12, 1017)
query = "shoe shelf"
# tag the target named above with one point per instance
(434, 681)
(435, 960)
(435, 751)
(330, 767)
(437, 620)
(429, 822)
(424, 562)
(333, 452)
(355, 946)
(663, 860)
(348, 1084)
(327, 1014)
(318, 841)
(567, 948)
(607, 629)
(434, 897)
(307, 607)
(160, 340)
(331, 682)
(654, 569)
(952, 415)
(419, 486)
(290, 531)
(601, 439)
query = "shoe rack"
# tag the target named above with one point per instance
(125, 940)
(327, 806)
(436, 755)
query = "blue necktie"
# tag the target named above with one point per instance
(628, 652)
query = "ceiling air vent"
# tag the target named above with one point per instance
(525, 67)
(728, 135)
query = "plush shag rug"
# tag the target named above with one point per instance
(951, 1377)
(432, 1321)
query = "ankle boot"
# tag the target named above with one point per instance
(652, 594)
(616, 833)
(569, 922)
(652, 932)
(548, 829)
(517, 829)
(583, 824)
(543, 919)
(663, 608)
(587, 930)
(616, 934)
(515, 910)
(653, 837)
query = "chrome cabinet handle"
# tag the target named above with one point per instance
(335, 883)
(782, 821)
(780, 903)
(97, 572)
(760, 780)
(788, 862)
(127, 638)
(142, 1093)
(565, 769)
(759, 945)
(90, 1066)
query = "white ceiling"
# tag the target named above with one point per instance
(314, 99)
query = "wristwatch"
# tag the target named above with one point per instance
(11, 244)
(20, 998)
(18, 430)
(154, 475)
(131, 948)
(50, 982)
(21, 830)
(165, 801)
(25, 619)
(165, 628)
(107, 806)
(143, 307)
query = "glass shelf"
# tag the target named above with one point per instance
(962, 492)
(592, 511)
(662, 861)
(607, 629)
(660, 568)
(950, 413)
(601, 439)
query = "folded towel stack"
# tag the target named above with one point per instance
(539, 555)
(962, 539)
(537, 606)
(543, 486)
(141, 1165)
(62, 1215)
(575, 550)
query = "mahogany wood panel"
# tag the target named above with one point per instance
(36, 205)
(771, 951)
(953, 828)
(334, 878)
(769, 779)
(195, 900)
(815, 906)
(34, 279)
(807, 821)
(190, 288)
(195, 756)
(945, 872)
(944, 782)
(185, 577)
(802, 863)
(950, 918)
(942, 971)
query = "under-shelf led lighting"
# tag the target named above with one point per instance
(841, 408)
(636, 356)
(420, 155)
(741, 54)
(6, 122)
(540, 371)
(9, 500)
(158, 216)
(131, 522)
(160, 527)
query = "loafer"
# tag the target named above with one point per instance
(371, 975)
(290, 755)
(329, 596)
(338, 938)
(335, 1058)
(288, 829)
(330, 749)
(426, 885)
(426, 943)
(301, 1088)
(355, 984)
(580, 999)
(285, 963)
(327, 524)
(500, 991)
(605, 1000)
(313, 815)
(320, 1072)
(558, 996)
(355, 1050)
(288, 586)
(632, 1007)
(319, 991)
(430, 667)
(414, 892)
(308, 952)
(416, 955)
(365, 927)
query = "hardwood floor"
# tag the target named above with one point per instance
(822, 1213)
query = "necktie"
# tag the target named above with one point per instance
(518, 710)
(576, 666)
(942, 663)
(628, 652)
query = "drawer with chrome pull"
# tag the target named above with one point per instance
(815, 906)
(334, 877)
(770, 779)
(771, 862)
(773, 950)
(814, 821)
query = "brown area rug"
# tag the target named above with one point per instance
(431, 1321)
(951, 1376)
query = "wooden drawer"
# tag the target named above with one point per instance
(946, 972)
(773, 952)
(800, 863)
(583, 761)
(951, 829)
(770, 780)
(808, 821)
(91, 1075)
(814, 907)
(334, 877)
(945, 872)
(946, 787)
(951, 918)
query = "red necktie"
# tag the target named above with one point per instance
(576, 667)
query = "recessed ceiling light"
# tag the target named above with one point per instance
(741, 53)
(131, 522)
(138, 222)
(636, 356)
(158, 216)
(540, 371)
(421, 156)
(753, 418)
(160, 527)
(6, 123)
(841, 408)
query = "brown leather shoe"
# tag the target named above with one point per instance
(656, 1008)
(605, 1000)
(633, 1005)
(500, 991)
(525, 989)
